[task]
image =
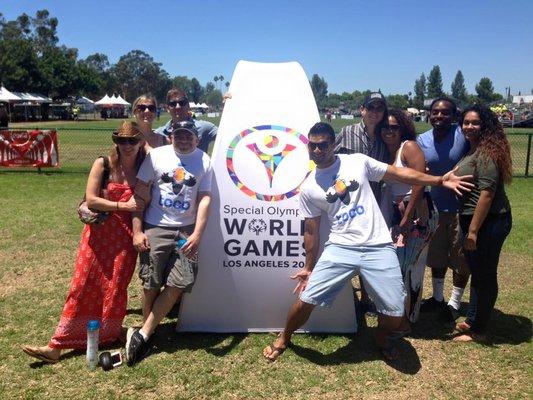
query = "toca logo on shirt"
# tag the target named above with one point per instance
(179, 178)
(341, 191)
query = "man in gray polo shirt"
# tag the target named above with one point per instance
(175, 183)
(179, 110)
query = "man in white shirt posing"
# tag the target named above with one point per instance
(359, 241)
(178, 204)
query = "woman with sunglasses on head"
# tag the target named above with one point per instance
(106, 258)
(144, 109)
(484, 213)
(412, 216)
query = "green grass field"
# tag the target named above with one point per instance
(39, 233)
(81, 142)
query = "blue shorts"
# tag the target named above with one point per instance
(378, 267)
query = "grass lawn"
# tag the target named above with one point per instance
(39, 233)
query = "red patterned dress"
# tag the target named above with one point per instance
(104, 266)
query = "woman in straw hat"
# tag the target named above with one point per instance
(106, 258)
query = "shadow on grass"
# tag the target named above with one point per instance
(134, 311)
(503, 328)
(361, 348)
(167, 340)
(509, 329)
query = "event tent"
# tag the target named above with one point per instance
(104, 100)
(113, 101)
(121, 101)
(6, 95)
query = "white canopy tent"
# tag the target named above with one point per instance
(6, 95)
(113, 100)
(120, 100)
(104, 100)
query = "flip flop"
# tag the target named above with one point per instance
(38, 354)
(272, 349)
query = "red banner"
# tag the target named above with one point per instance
(28, 148)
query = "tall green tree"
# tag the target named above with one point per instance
(434, 84)
(44, 31)
(485, 91)
(420, 91)
(320, 90)
(59, 71)
(197, 90)
(138, 73)
(458, 87)
(400, 101)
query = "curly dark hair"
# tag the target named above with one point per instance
(493, 142)
(407, 127)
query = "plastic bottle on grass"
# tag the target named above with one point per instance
(93, 329)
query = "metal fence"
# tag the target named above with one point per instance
(79, 147)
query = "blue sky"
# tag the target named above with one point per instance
(352, 44)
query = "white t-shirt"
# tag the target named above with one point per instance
(176, 180)
(343, 192)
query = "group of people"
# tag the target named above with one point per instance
(158, 194)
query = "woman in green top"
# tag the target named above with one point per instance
(485, 213)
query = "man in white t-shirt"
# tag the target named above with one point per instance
(359, 241)
(175, 182)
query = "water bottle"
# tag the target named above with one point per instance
(182, 239)
(93, 328)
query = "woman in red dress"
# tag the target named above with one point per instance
(106, 258)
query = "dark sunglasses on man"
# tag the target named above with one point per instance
(181, 102)
(125, 139)
(322, 146)
(142, 107)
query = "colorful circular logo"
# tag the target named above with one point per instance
(271, 159)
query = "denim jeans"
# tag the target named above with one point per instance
(483, 263)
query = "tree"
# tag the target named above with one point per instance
(485, 91)
(400, 101)
(59, 71)
(139, 73)
(97, 61)
(434, 85)
(320, 90)
(183, 83)
(458, 87)
(420, 91)
(197, 90)
(44, 31)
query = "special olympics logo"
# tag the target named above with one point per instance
(257, 226)
(268, 162)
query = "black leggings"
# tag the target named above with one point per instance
(483, 263)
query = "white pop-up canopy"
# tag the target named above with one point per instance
(121, 101)
(104, 100)
(6, 95)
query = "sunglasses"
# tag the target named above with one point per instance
(322, 146)
(174, 103)
(376, 108)
(125, 140)
(392, 128)
(142, 107)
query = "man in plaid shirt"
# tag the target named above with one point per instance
(364, 138)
